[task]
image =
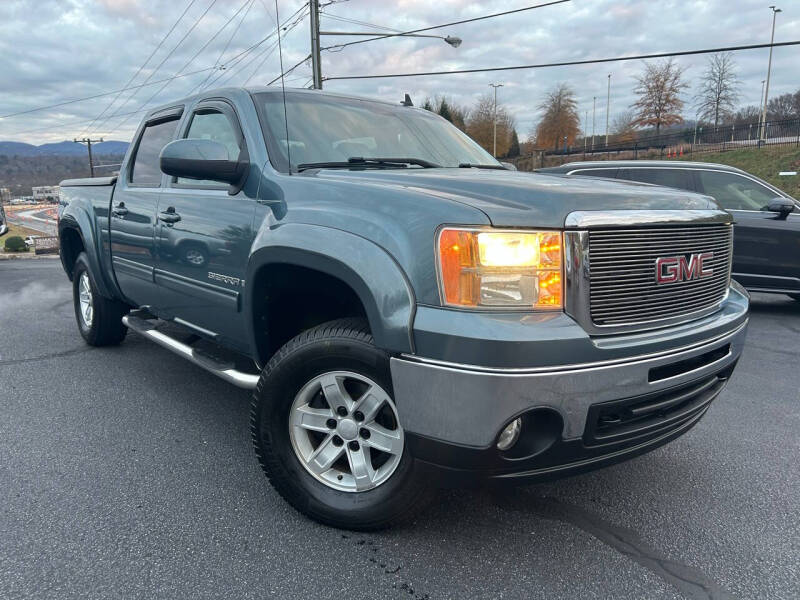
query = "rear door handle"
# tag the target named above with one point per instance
(119, 210)
(169, 216)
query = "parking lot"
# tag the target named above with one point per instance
(129, 473)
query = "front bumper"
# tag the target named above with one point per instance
(576, 416)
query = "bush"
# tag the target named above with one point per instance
(15, 244)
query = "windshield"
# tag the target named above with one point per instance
(334, 129)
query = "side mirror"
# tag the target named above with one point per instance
(203, 159)
(782, 206)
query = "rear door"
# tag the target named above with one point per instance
(133, 210)
(204, 236)
(766, 248)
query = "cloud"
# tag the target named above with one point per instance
(84, 47)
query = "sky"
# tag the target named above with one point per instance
(54, 51)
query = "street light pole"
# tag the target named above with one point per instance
(494, 135)
(594, 109)
(608, 105)
(316, 61)
(316, 35)
(775, 12)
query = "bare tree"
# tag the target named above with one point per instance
(781, 108)
(560, 118)
(746, 115)
(480, 125)
(659, 89)
(719, 89)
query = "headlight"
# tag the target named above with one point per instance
(487, 268)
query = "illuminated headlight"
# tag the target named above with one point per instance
(514, 269)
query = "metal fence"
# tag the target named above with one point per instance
(688, 142)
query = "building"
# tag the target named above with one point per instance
(46, 193)
(5, 195)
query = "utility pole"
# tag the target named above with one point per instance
(494, 137)
(585, 127)
(775, 12)
(316, 66)
(594, 110)
(608, 105)
(89, 143)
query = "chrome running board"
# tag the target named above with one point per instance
(224, 371)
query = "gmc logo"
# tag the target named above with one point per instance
(672, 269)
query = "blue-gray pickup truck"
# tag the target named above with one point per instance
(407, 311)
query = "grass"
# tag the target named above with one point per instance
(13, 229)
(764, 163)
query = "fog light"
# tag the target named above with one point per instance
(510, 434)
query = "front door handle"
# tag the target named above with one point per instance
(169, 216)
(119, 210)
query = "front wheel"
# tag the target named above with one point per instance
(327, 432)
(99, 319)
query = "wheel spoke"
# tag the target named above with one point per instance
(324, 456)
(361, 467)
(369, 404)
(315, 419)
(334, 392)
(384, 439)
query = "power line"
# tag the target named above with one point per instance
(187, 63)
(500, 14)
(218, 62)
(571, 63)
(169, 54)
(357, 22)
(285, 73)
(100, 95)
(144, 64)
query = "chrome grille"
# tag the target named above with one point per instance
(622, 280)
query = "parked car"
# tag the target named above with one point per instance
(766, 253)
(29, 240)
(408, 312)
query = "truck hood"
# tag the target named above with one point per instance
(519, 199)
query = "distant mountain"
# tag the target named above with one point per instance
(65, 148)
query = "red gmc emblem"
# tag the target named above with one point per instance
(672, 269)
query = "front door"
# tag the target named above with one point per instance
(133, 212)
(766, 248)
(203, 238)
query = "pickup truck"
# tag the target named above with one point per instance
(408, 312)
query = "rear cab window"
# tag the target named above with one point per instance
(145, 167)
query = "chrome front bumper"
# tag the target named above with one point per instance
(468, 405)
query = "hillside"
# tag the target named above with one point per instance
(20, 173)
(765, 163)
(65, 148)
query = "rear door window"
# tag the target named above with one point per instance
(674, 178)
(735, 192)
(146, 169)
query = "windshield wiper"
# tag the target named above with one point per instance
(477, 166)
(377, 163)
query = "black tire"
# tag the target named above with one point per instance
(344, 344)
(106, 328)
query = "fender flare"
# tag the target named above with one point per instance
(78, 220)
(378, 281)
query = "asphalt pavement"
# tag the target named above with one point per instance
(129, 473)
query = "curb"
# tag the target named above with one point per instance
(26, 256)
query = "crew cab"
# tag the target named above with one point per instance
(407, 311)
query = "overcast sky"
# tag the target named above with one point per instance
(57, 50)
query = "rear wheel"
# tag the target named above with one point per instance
(327, 431)
(99, 319)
